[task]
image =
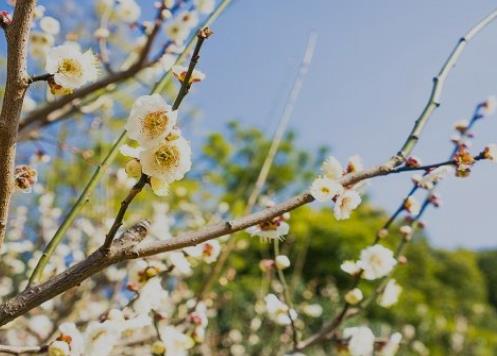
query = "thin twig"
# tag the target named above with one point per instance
(38, 78)
(438, 83)
(118, 221)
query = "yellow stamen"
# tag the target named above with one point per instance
(154, 123)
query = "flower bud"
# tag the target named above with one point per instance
(413, 161)
(133, 168)
(406, 231)
(25, 178)
(158, 348)
(354, 296)
(282, 262)
(57, 89)
(490, 152)
(382, 233)
(266, 265)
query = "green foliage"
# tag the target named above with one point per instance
(446, 294)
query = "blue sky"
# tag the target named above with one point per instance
(369, 80)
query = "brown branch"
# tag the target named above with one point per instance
(17, 34)
(118, 221)
(326, 332)
(39, 78)
(202, 35)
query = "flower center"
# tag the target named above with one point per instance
(70, 67)
(376, 261)
(154, 123)
(166, 156)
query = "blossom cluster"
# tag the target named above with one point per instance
(327, 187)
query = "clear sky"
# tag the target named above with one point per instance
(370, 78)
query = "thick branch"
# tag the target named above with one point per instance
(17, 34)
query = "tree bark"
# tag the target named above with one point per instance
(17, 35)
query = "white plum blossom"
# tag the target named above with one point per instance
(129, 151)
(390, 294)
(360, 340)
(71, 68)
(41, 325)
(39, 44)
(346, 203)
(204, 6)
(59, 348)
(159, 187)
(188, 18)
(355, 164)
(332, 168)
(376, 262)
(177, 32)
(350, 267)
(411, 205)
(199, 319)
(72, 337)
(282, 262)
(429, 180)
(270, 230)
(324, 189)
(181, 265)
(278, 311)
(127, 11)
(50, 25)
(392, 345)
(151, 120)
(100, 338)
(169, 161)
(209, 251)
(313, 310)
(353, 296)
(180, 74)
(176, 342)
(151, 296)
